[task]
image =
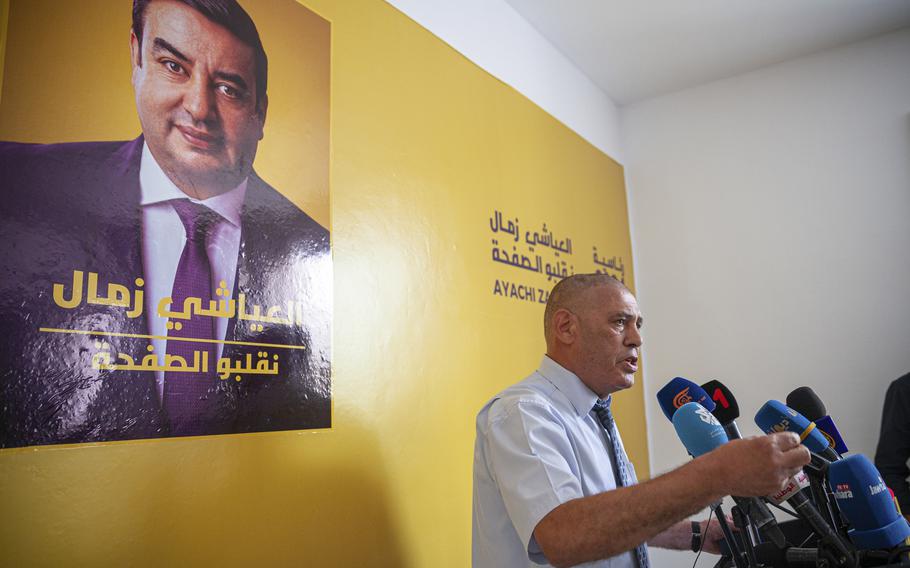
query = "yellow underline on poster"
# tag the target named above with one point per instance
(140, 336)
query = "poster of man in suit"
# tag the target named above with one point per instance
(158, 286)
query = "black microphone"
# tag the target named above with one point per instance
(791, 493)
(806, 402)
(790, 557)
(726, 410)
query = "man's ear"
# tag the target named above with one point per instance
(262, 108)
(135, 54)
(565, 326)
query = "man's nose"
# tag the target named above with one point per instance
(198, 100)
(633, 336)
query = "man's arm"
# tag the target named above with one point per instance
(893, 449)
(612, 522)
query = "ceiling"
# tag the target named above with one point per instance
(637, 49)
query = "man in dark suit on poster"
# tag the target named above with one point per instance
(159, 287)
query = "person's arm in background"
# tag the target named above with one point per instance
(679, 536)
(894, 442)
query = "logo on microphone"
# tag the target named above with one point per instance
(876, 489)
(785, 493)
(782, 426)
(706, 416)
(683, 397)
(843, 491)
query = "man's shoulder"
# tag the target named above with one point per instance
(533, 392)
(267, 204)
(67, 152)
(901, 385)
(64, 178)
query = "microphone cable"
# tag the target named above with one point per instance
(793, 514)
(704, 535)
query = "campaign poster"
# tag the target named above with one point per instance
(165, 233)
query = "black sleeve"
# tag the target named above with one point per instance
(894, 442)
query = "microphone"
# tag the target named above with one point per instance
(680, 391)
(806, 402)
(775, 416)
(790, 557)
(700, 433)
(865, 501)
(793, 495)
(698, 429)
(726, 411)
(795, 484)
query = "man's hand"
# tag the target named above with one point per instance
(760, 465)
(711, 534)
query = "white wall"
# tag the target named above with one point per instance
(771, 215)
(496, 38)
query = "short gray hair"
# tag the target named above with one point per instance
(567, 295)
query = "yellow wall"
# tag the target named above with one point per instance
(425, 146)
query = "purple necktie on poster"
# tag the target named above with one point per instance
(188, 395)
(621, 465)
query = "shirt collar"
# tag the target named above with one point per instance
(156, 187)
(568, 383)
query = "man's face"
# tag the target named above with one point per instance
(195, 87)
(609, 339)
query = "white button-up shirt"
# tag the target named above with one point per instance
(538, 445)
(163, 239)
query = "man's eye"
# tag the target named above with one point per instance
(173, 66)
(230, 91)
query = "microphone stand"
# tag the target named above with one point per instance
(728, 536)
(746, 535)
(817, 471)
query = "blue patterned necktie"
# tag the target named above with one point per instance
(621, 465)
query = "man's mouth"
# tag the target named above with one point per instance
(631, 363)
(198, 138)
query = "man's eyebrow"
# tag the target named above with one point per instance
(162, 45)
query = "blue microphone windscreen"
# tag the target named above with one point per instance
(680, 391)
(829, 430)
(776, 416)
(698, 429)
(866, 503)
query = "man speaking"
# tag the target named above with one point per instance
(552, 483)
(159, 287)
